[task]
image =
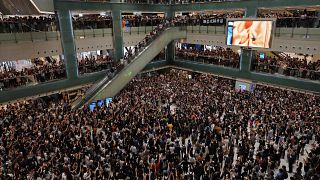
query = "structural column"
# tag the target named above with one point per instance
(117, 34)
(170, 50)
(68, 45)
(247, 55)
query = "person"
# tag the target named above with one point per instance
(44, 138)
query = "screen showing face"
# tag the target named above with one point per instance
(249, 33)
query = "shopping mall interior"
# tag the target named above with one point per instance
(160, 89)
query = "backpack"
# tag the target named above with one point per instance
(285, 175)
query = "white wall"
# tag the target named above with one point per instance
(28, 49)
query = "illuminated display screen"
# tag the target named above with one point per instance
(100, 103)
(249, 33)
(92, 106)
(108, 101)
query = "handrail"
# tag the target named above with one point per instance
(308, 74)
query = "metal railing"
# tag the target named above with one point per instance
(216, 60)
(287, 71)
(96, 67)
(195, 28)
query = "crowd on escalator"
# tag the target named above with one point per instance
(175, 125)
(289, 66)
(218, 56)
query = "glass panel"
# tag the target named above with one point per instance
(38, 36)
(23, 37)
(7, 37)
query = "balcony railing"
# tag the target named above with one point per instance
(287, 71)
(220, 61)
(195, 28)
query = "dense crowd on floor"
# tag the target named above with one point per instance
(169, 126)
(219, 56)
(289, 66)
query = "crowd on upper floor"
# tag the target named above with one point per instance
(166, 126)
(14, 24)
(297, 18)
(44, 71)
(289, 66)
(218, 55)
(10, 77)
(53, 70)
(94, 63)
(173, 1)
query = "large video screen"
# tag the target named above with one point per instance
(250, 33)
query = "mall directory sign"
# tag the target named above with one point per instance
(251, 33)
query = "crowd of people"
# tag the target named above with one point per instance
(219, 56)
(174, 125)
(10, 77)
(92, 22)
(289, 66)
(39, 73)
(94, 63)
(15, 24)
(297, 18)
(173, 1)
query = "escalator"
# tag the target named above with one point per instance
(112, 84)
(17, 7)
(278, 54)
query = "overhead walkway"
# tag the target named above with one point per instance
(112, 84)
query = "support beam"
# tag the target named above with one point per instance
(117, 34)
(246, 57)
(68, 44)
(170, 50)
